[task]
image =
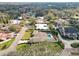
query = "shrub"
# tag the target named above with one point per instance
(75, 45)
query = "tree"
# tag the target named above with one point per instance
(49, 18)
(4, 18)
(14, 28)
(53, 31)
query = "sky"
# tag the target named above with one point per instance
(39, 0)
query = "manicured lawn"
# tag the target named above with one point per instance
(6, 44)
(40, 49)
(27, 35)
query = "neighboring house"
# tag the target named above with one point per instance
(25, 16)
(15, 21)
(74, 21)
(41, 26)
(70, 32)
(5, 36)
(60, 22)
(20, 18)
(40, 20)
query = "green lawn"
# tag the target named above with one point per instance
(42, 49)
(27, 35)
(6, 44)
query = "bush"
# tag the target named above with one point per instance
(61, 44)
(75, 45)
(53, 31)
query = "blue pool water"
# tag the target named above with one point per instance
(49, 36)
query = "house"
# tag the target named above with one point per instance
(41, 26)
(15, 21)
(74, 21)
(5, 36)
(20, 18)
(60, 22)
(40, 20)
(25, 15)
(69, 32)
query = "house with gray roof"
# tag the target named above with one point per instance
(69, 31)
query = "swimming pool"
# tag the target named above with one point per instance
(49, 36)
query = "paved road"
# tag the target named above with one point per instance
(15, 43)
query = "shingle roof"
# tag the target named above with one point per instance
(70, 30)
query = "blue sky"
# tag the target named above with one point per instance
(39, 0)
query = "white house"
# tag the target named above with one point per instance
(15, 21)
(20, 17)
(41, 26)
(40, 20)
